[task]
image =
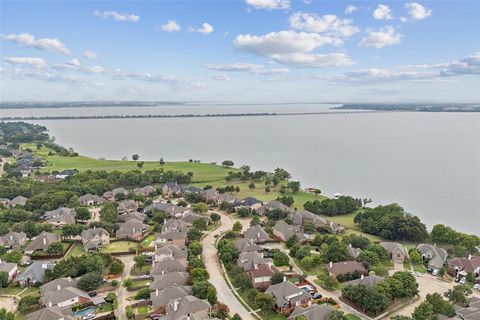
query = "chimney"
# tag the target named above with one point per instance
(58, 287)
(350, 245)
(362, 276)
(44, 241)
(175, 305)
(44, 266)
(469, 256)
(156, 293)
(284, 278)
(163, 271)
(49, 304)
(330, 265)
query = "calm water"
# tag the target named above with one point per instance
(427, 162)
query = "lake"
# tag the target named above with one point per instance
(427, 162)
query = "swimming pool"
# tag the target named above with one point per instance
(81, 313)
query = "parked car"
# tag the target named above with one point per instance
(435, 272)
(89, 316)
(92, 294)
(476, 286)
(463, 280)
(317, 295)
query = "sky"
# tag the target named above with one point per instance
(243, 51)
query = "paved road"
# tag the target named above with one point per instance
(122, 291)
(224, 294)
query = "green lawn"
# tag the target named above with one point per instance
(77, 250)
(106, 307)
(270, 315)
(143, 309)
(351, 317)
(148, 240)
(11, 290)
(119, 246)
(31, 291)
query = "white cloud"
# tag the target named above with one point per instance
(246, 67)
(170, 26)
(90, 55)
(292, 48)
(380, 38)
(466, 66)
(382, 12)
(269, 4)
(328, 24)
(117, 16)
(205, 29)
(74, 62)
(312, 60)
(220, 77)
(28, 40)
(417, 11)
(350, 9)
(32, 62)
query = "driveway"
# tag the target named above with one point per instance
(122, 291)
(224, 294)
(426, 284)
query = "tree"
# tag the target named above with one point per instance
(82, 214)
(293, 240)
(458, 295)
(236, 316)
(237, 227)
(294, 186)
(336, 251)
(251, 186)
(415, 256)
(336, 315)
(277, 277)
(72, 230)
(55, 248)
(3, 279)
(227, 163)
(227, 251)
(286, 200)
(6, 315)
(244, 212)
(221, 310)
(140, 261)
(194, 234)
(440, 306)
(90, 281)
(200, 223)
(140, 164)
(109, 213)
(28, 304)
(317, 192)
(255, 221)
(280, 259)
(14, 256)
(143, 294)
(135, 157)
(212, 295)
(116, 267)
(424, 311)
(195, 248)
(200, 289)
(215, 217)
(267, 189)
(161, 162)
(200, 207)
(264, 301)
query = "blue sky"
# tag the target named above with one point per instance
(241, 51)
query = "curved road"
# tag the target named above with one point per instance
(224, 294)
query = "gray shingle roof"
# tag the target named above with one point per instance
(285, 292)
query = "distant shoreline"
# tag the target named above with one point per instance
(166, 116)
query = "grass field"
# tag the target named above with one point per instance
(352, 317)
(77, 250)
(119, 246)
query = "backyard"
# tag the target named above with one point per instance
(119, 246)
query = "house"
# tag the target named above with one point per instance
(171, 189)
(169, 251)
(470, 312)
(110, 195)
(345, 267)
(463, 266)
(249, 202)
(41, 242)
(256, 234)
(13, 240)
(174, 237)
(354, 252)
(210, 195)
(60, 217)
(174, 225)
(284, 231)
(64, 297)
(57, 284)
(168, 265)
(145, 191)
(132, 215)
(312, 312)
(34, 273)
(66, 173)
(191, 189)
(127, 206)
(167, 280)
(369, 281)
(395, 251)
(132, 229)
(303, 217)
(288, 296)
(170, 209)
(17, 201)
(188, 307)
(94, 238)
(225, 198)
(189, 217)
(436, 256)
(247, 245)
(10, 268)
(160, 298)
(250, 260)
(261, 275)
(272, 205)
(51, 313)
(90, 200)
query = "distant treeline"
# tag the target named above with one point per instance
(436, 107)
(87, 104)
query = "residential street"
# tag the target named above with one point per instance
(122, 291)
(225, 295)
